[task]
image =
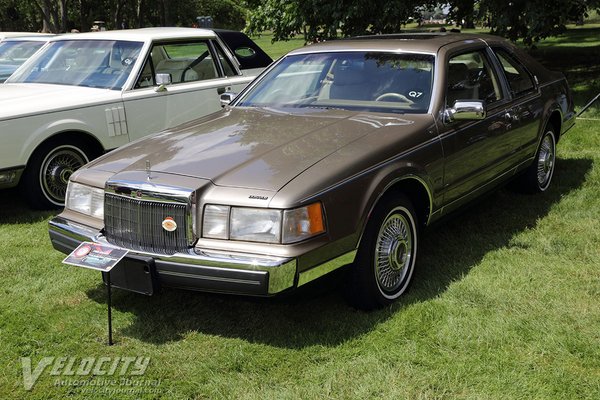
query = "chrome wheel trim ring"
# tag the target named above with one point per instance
(395, 247)
(546, 161)
(56, 169)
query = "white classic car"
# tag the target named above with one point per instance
(84, 94)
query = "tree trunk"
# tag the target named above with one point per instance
(117, 15)
(140, 13)
(63, 15)
(469, 24)
(163, 14)
(46, 10)
(55, 17)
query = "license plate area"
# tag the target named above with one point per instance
(134, 274)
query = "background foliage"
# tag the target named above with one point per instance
(314, 20)
(530, 20)
(64, 15)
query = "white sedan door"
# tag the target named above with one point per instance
(196, 82)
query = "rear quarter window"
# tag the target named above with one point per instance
(517, 76)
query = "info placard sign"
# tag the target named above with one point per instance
(101, 257)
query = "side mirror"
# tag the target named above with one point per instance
(466, 110)
(227, 98)
(162, 80)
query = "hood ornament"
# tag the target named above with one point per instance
(148, 169)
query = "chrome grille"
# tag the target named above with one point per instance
(137, 224)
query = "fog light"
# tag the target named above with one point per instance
(8, 176)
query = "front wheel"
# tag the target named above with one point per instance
(386, 256)
(46, 177)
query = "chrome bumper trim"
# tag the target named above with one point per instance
(325, 268)
(281, 271)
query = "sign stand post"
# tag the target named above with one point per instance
(109, 304)
(101, 257)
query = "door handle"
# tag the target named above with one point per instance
(221, 90)
(511, 116)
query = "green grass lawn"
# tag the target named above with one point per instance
(504, 303)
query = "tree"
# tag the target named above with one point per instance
(531, 20)
(463, 12)
(63, 15)
(321, 19)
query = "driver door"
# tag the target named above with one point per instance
(473, 151)
(196, 81)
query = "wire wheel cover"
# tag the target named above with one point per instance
(545, 162)
(393, 252)
(56, 169)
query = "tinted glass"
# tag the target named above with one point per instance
(369, 81)
(471, 77)
(517, 76)
(227, 67)
(15, 53)
(185, 62)
(93, 63)
(18, 52)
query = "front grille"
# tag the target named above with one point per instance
(137, 224)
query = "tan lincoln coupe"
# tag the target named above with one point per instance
(338, 154)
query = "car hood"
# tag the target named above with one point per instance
(249, 148)
(23, 99)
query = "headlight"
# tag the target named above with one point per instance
(262, 224)
(216, 222)
(256, 225)
(85, 199)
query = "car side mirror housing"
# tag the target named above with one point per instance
(162, 80)
(466, 110)
(227, 98)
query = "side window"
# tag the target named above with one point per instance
(184, 62)
(519, 80)
(225, 61)
(146, 78)
(471, 77)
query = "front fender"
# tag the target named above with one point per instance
(22, 136)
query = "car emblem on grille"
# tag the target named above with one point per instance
(169, 224)
(137, 193)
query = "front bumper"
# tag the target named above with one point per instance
(214, 271)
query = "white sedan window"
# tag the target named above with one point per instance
(183, 62)
(93, 63)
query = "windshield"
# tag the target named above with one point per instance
(16, 52)
(365, 81)
(92, 63)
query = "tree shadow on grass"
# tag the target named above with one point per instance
(317, 314)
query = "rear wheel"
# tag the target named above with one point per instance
(538, 175)
(46, 177)
(386, 257)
